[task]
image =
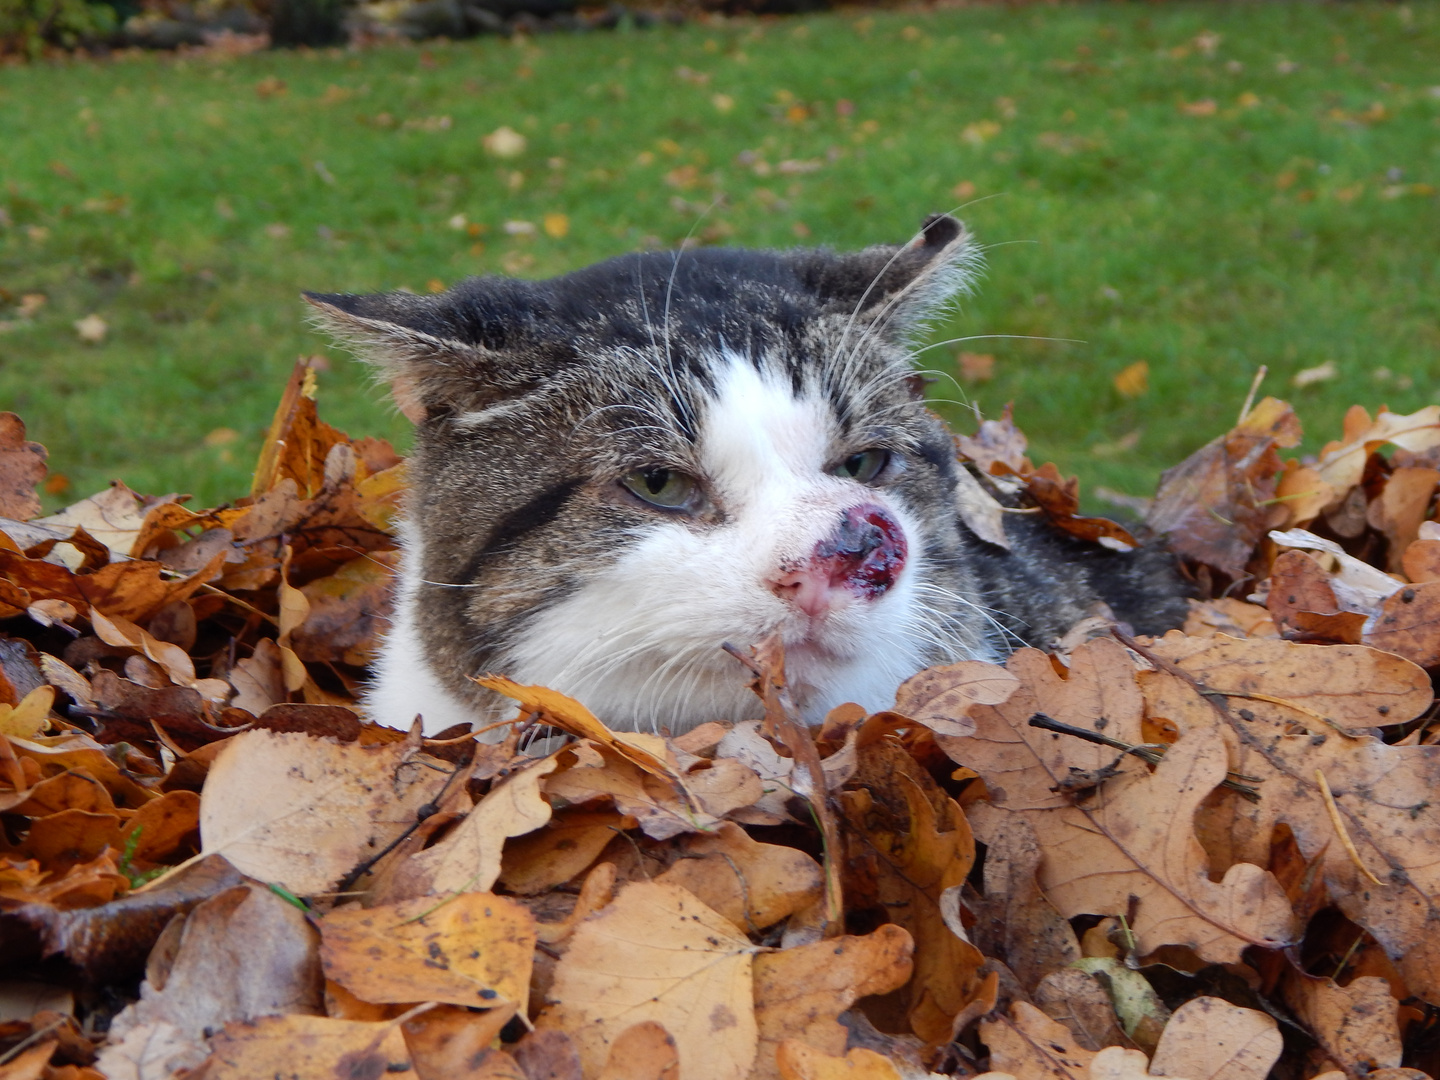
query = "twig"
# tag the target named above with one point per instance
(1340, 830)
(1260, 374)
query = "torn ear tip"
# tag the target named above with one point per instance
(942, 230)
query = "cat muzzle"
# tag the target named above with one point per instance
(863, 557)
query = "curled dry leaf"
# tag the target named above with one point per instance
(903, 851)
(243, 954)
(22, 468)
(754, 885)
(1216, 505)
(1210, 1039)
(474, 949)
(663, 807)
(304, 811)
(565, 847)
(452, 1043)
(468, 860)
(1132, 846)
(697, 982)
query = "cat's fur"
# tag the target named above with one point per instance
(758, 373)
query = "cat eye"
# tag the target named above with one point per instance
(665, 488)
(863, 467)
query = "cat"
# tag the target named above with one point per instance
(620, 470)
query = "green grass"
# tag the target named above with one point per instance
(1295, 225)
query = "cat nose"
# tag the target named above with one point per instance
(863, 556)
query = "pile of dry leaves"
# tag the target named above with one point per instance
(1216, 854)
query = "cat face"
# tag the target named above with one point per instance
(620, 471)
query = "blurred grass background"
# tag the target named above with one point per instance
(1203, 188)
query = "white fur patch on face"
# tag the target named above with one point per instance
(639, 642)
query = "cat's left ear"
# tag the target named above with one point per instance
(897, 287)
(455, 351)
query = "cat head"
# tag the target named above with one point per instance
(620, 470)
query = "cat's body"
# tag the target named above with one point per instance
(619, 471)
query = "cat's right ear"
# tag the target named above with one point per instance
(440, 354)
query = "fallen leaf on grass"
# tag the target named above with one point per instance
(657, 953)
(1210, 1039)
(474, 949)
(304, 811)
(22, 468)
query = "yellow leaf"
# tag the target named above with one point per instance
(556, 225)
(1134, 380)
(31, 716)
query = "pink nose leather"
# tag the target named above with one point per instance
(863, 556)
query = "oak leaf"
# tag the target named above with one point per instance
(657, 953)
(1210, 1039)
(1216, 504)
(754, 885)
(1131, 846)
(1027, 1043)
(22, 468)
(800, 992)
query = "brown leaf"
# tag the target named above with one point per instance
(161, 825)
(548, 1055)
(696, 982)
(913, 850)
(1382, 802)
(799, 1061)
(1210, 1039)
(1014, 921)
(996, 443)
(1131, 848)
(1355, 1024)
(474, 949)
(1349, 686)
(468, 860)
(304, 811)
(1079, 1001)
(754, 885)
(22, 468)
(563, 848)
(347, 610)
(800, 992)
(1342, 464)
(1214, 506)
(661, 806)
(1027, 1043)
(642, 1052)
(1060, 499)
(309, 1046)
(940, 697)
(243, 954)
(1409, 624)
(1302, 601)
(1401, 506)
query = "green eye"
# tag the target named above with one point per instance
(863, 467)
(662, 487)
